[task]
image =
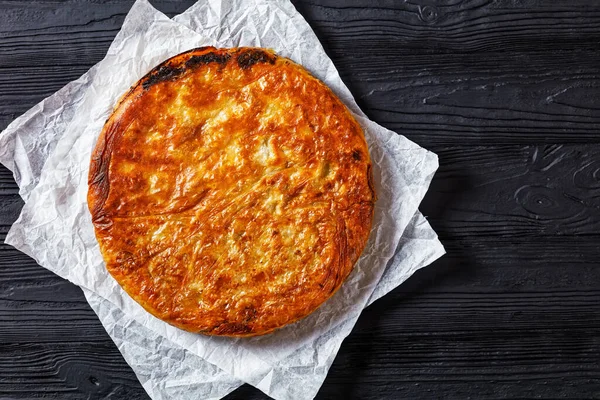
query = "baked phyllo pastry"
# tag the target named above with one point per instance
(230, 191)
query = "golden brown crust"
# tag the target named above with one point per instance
(230, 192)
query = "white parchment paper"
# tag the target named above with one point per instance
(55, 229)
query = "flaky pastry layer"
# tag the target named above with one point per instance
(230, 191)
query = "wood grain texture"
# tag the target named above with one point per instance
(506, 92)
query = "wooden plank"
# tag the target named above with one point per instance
(515, 191)
(475, 73)
(10, 208)
(491, 190)
(478, 72)
(52, 33)
(7, 181)
(525, 106)
(10, 201)
(472, 308)
(453, 343)
(465, 26)
(66, 371)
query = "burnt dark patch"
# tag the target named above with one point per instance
(371, 182)
(249, 314)
(196, 61)
(250, 57)
(232, 328)
(163, 73)
(356, 155)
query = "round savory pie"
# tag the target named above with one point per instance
(230, 192)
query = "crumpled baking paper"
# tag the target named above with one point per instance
(55, 227)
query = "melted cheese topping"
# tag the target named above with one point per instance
(230, 192)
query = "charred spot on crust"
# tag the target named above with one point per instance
(370, 182)
(195, 61)
(199, 49)
(101, 220)
(356, 155)
(163, 73)
(232, 328)
(249, 314)
(250, 57)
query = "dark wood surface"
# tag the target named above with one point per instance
(507, 93)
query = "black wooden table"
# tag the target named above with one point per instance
(506, 92)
